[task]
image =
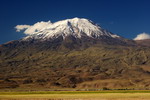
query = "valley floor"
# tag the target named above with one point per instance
(76, 95)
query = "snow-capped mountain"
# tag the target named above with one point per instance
(68, 53)
(76, 27)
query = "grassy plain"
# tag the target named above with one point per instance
(76, 95)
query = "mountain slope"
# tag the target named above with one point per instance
(34, 67)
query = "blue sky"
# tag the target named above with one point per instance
(126, 18)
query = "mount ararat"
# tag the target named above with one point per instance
(74, 53)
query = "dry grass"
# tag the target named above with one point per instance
(92, 96)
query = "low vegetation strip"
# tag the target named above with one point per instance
(74, 92)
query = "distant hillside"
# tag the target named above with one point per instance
(144, 42)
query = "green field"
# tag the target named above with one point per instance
(76, 95)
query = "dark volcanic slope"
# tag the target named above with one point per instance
(73, 64)
(143, 42)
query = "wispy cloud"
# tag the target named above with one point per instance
(31, 29)
(21, 27)
(142, 36)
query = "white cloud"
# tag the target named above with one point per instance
(31, 29)
(142, 36)
(21, 27)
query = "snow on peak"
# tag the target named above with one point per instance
(76, 27)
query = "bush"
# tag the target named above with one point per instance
(27, 81)
(105, 88)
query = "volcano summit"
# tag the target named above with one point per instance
(76, 27)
